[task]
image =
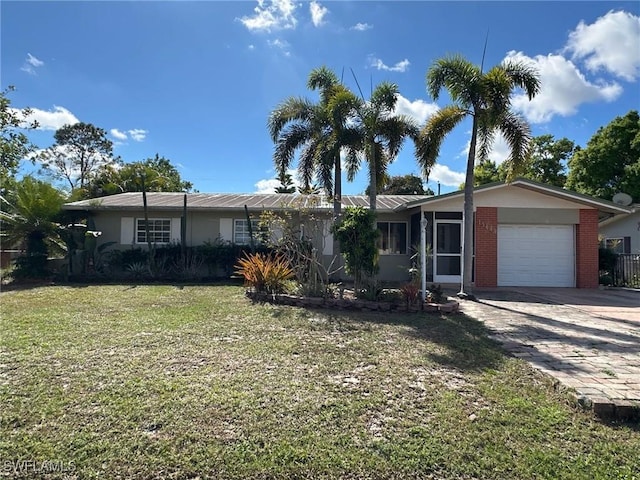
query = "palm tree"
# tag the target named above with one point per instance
(380, 135)
(317, 130)
(486, 97)
(27, 217)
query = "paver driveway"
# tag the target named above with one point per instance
(588, 340)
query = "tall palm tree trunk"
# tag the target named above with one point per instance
(373, 179)
(467, 219)
(337, 209)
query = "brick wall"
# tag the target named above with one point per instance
(486, 243)
(587, 249)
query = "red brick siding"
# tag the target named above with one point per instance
(486, 243)
(587, 249)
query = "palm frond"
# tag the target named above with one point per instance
(457, 75)
(517, 134)
(524, 76)
(293, 109)
(434, 133)
(294, 137)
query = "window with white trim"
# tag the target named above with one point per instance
(393, 238)
(241, 234)
(159, 230)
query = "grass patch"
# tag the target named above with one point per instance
(179, 382)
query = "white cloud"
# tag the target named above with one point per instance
(418, 109)
(380, 65)
(317, 13)
(36, 62)
(612, 44)
(251, 47)
(30, 64)
(117, 134)
(500, 151)
(361, 27)
(447, 177)
(281, 44)
(271, 15)
(269, 185)
(49, 120)
(138, 134)
(563, 88)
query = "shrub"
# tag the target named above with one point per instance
(32, 266)
(434, 294)
(264, 272)
(358, 234)
(410, 293)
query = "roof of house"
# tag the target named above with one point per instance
(231, 201)
(543, 188)
(281, 201)
(635, 211)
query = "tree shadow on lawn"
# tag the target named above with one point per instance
(465, 342)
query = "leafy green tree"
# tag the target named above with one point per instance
(286, 184)
(486, 98)
(14, 144)
(380, 135)
(547, 159)
(357, 233)
(545, 163)
(28, 218)
(79, 151)
(610, 163)
(160, 175)
(487, 172)
(402, 185)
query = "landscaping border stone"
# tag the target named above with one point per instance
(356, 304)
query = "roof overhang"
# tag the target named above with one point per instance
(603, 206)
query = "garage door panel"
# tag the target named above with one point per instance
(536, 255)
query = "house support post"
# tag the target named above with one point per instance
(423, 256)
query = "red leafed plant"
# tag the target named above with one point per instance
(264, 272)
(410, 293)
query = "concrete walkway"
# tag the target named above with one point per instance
(589, 340)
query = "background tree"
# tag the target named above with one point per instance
(546, 163)
(160, 176)
(610, 163)
(486, 97)
(28, 218)
(402, 185)
(547, 160)
(14, 144)
(286, 183)
(78, 153)
(380, 135)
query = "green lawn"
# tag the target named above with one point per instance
(196, 382)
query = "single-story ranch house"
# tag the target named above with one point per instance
(526, 233)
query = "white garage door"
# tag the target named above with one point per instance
(536, 256)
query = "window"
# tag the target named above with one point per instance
(241, 234)
(159, 230)
(393, 238)
(619, 245)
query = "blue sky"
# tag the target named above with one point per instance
(196, 81)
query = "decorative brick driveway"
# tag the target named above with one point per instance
(589, 340)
